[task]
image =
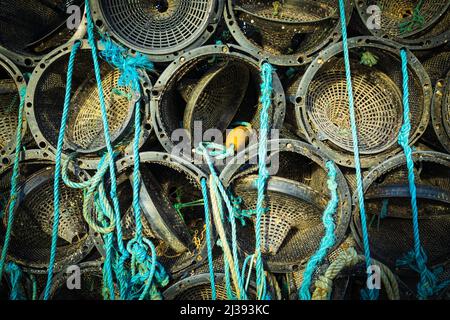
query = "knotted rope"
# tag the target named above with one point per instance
(416, 259)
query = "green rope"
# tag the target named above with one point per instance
(417, 20)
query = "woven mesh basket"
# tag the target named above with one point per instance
(286, 32)
(84, 132)
(391, 237)
(39, 27)
(32, 229)
(397, 21)
(377, 101)
(215, 86)
(296, 196)
(163, 29)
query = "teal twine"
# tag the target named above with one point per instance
(228, 287)
(129, 67)
(373, 294)
(112, 168)
(34, 287)
(328, 239)
(57, 175)
(15, 275)
(208, 238)
(428, 284)
(14, 177)
(208, 150)
(263, 173)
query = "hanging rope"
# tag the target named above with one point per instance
(346, 259)
(208, 237)
(14, 177)
(328, 239)
(15, 276)
(219, 194)
(59, 148)
(417, 259)
(263, 173)
(359, 182)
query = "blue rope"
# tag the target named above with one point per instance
(428, 284)
(373, 294)
(15, 274)
(208, 149)
(112, 168)
(328, 239)
(14, 177)
(263, 173)
(59, 149)
(208, 237)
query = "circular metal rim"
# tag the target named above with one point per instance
(424, 43)
(384, 168)
(437, 120)
(31, 61)
(169, 54)
(347, 159)
(84, 162)
(19, 80)
(193, 281)
(162, 157)
(38, 156)
(320, 159)
(282, 60)
(61, 277)
(236, 51)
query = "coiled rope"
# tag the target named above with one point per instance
(346, 259)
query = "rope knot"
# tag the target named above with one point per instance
(127, 64)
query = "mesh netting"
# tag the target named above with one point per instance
(287, 27)
(291, 229)
(39, 26)
(157, 26)
(176, 185)
(394, 13)
(377, 102)
(437, 66)
(391, 237)
(32, 230)
(9, 106)
(85, 127)
(201, 78)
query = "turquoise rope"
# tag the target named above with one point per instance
(263, 174)
(15, 274)
(328, 239)
(428, 284)
(14, 177)
(59, 148)
(208, 149)
(112, 167)
(208, 238)
(373, 294)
